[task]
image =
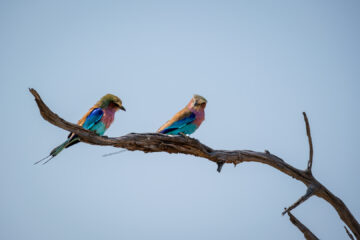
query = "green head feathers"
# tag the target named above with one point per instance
(110, 98)
(197, 102)
(199, 99)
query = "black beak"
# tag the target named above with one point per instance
(122, 108)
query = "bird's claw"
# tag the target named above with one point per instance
(183, 134)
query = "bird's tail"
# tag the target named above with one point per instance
(59, 148)
(56, 151)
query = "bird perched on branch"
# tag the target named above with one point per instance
(184, 122)
(188, 119)
(98, 119)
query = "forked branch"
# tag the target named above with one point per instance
(155, 142)
(310, 191)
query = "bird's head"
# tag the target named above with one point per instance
(112, 101)
(198, 102)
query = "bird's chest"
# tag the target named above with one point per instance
(108, 118)
(200, 117)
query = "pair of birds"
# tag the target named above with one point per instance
(99, 118)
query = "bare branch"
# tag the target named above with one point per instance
(311, 152)
(312, 187)
(309, 192)
(307, 233)
(220, 165)
(348, 233)
(156, 142)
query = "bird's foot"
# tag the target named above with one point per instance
(184, 135)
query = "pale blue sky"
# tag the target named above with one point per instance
(259, 64)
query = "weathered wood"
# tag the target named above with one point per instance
(307, 233)
(311, 149)
(156, 142)
(349, 233)
(311, 190)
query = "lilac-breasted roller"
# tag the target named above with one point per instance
(184, 122)
(98, 119)
(188, 119)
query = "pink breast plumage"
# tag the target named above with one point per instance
(200, 116)
(108, 117)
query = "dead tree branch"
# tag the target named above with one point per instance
(349, 233)
(307, 233)
(309, 192)
(155, 142)
(313, 187)
(311, 150)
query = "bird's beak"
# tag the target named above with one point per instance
(122, 108)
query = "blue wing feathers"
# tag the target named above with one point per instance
(179, 124)
(93, 118)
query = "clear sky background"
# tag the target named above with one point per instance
(259, 64)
